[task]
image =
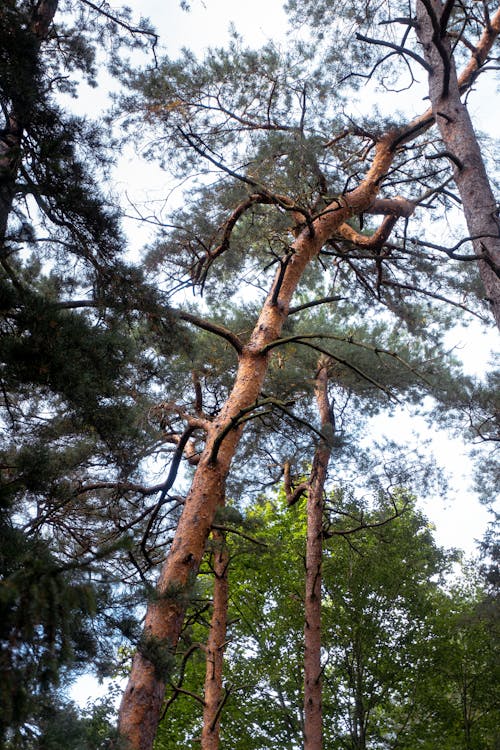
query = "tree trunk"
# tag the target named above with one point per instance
(215, 646)
(313, 715)
(141, 705)
(461, 145)
(17, 119)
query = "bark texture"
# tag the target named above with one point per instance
(213, 696)
(313, 714)
(142, 700)
(141, 704)
(461, 144)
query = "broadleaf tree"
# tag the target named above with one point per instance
(304, 231)
(301, 179)
(397, 638)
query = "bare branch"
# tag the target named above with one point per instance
(322, 301)
(448, 155)
(172, 475)
(397, 48)
(230, 530)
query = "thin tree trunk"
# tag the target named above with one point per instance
(142, 700)
(359, 698)
(215, 646)
(18, 118)
(141, 704)
(313, 714)
(461, 145)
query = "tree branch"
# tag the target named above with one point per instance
(437, 38)
(172, 475)
(362, 524)
(119, 22)
(433, 295)
(397, 48)
(245, 415)
(302, 340)
(445, 16)
(249, 538)
(373, 242)
(292, 494)
(216, 328)
(323, 300)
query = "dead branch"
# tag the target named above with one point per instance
(397, 48)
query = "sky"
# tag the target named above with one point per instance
(207, 24)
(458, 518)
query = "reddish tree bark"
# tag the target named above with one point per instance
(141, 704)
(313, 714)
(460, 141)
(213, 697)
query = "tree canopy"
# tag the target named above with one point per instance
(324, 215)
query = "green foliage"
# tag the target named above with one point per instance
(398, 639)
(158, 653)
(45, 623)
(100, 373)
(59, 723)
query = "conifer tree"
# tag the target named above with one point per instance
(110, 373)
(66, 384)
(295, 193)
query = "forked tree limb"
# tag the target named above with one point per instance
(460, 141)
(142, 700)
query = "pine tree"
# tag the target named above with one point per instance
(67, 390)
(295, 192)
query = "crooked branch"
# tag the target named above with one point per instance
(362, 524)
(249, 413)
(216, 328)
(397, 48)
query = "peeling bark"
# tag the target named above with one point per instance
(215, 646)
(141, 705)
(457, 132)
(142, 700)
(313, 714)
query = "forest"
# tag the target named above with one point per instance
(196, 505)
